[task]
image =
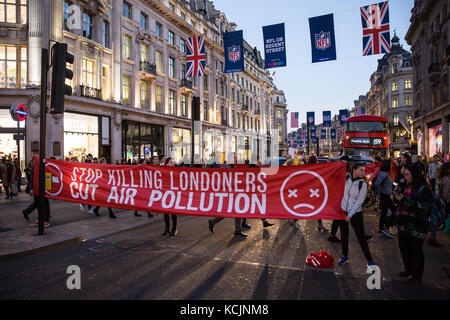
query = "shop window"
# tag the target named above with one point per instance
(81, 135)
(181, 145)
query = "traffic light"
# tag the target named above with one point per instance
(60, 73)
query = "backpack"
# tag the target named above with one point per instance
(437, 212)
(359, 185)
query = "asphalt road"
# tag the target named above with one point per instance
(197, 265)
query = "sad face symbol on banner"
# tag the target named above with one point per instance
(304, 193)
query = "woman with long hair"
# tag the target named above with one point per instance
(354, 195)
(414, 205)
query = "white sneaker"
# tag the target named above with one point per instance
(82, 208)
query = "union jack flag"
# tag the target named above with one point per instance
(375, 23)
(195, 57)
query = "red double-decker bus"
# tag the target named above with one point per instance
(366, 135)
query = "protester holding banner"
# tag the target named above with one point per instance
(354, 195)
(174, 231)
(111, 213)
(335, 223)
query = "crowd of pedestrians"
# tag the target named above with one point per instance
(405, 202)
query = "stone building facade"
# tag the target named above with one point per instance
(429, 35)
(131, 98)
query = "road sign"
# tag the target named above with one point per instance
(18, 112)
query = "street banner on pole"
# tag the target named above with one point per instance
(327, 118)
(343, 115)
(308, 192)
(233, 43)
(323, 44)
(333, 134)
(375, 24)
(294, 119)
(310, 118)
(274, 46)
(323, 134)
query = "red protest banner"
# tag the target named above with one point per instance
(295, 192)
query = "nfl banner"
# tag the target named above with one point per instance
(333, 134)
(233, 43)
(294, 119)
(327, 118)
(310, 118)
(313, 191)
(323, 44)
(375, 24)
(343, 115)
(323, 134)
(274, 46)
(195, 57)
(313, 133)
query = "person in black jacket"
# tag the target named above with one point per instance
(415, 204)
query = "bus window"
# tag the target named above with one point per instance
(365, 126)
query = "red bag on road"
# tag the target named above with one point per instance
(320, 260)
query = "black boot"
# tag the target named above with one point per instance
(150, 215)
(136, 214)
(173, 233)
(96, 212)
(166, 231)
(111, 214)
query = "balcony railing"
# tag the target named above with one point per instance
(147, 67)
(90, 92)
(185, 83)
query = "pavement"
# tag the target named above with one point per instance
(70, 226)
